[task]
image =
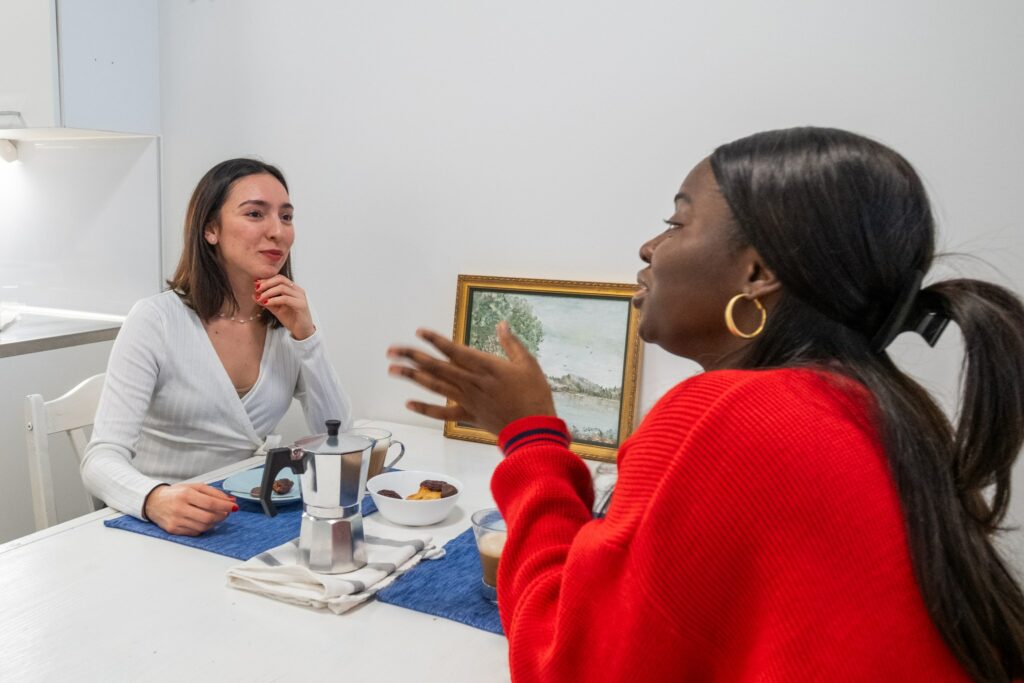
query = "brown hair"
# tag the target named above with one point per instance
(199, 279)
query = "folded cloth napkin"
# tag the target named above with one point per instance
(277, 573)
(449, 588)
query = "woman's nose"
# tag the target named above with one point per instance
(275, 227)
(647, 249)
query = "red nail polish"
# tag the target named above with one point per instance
(265, 301)
(234, 508)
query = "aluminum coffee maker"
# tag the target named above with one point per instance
(331, 469)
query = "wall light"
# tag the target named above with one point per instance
(8, 150)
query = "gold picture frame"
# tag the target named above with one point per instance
(550, 316)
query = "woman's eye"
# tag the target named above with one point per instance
(287, 218)
(671, 224)
(255, 214)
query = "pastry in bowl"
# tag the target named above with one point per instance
(423, 498)
(432, 489)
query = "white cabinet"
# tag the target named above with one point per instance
(29, 77)
(79, 64)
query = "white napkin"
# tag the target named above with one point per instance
(277, 574)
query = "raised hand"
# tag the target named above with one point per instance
(188, 509)
(483, 389)
(287, 301)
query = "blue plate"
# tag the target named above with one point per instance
(240, 485)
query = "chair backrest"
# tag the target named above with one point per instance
(71, 414)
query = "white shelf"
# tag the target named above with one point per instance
(64, 134)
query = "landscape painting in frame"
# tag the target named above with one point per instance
(583, 334)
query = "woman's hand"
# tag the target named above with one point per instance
(287, 301)
(188, 509)
(487, 391)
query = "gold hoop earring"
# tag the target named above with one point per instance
(731, 324)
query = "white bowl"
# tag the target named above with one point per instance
(411, 512)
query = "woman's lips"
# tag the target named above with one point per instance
(638, 297)
(273, 254)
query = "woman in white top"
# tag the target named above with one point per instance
(200, 375)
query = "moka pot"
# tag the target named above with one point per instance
(331, 469)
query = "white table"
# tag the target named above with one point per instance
(83, 602)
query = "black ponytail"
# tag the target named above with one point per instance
(862, 219)
(990, 430)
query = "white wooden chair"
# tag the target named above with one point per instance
(71, 414)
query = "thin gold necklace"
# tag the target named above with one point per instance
(241, 321)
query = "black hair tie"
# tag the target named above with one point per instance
(914, 311)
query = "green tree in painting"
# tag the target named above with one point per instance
(490, 308)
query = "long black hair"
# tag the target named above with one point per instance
(845, 224)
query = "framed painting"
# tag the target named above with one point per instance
(583, 334)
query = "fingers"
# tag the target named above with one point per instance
(211, 491)
(184, 527)
(267, 283)
(210, 499)
(453, 412)
(426, 380)
(197, 520)
(474, 360)
(283, 299)
(442, 370)
(192, 509)
(287, 301)
(202, 507)
(514, 349)
(206, 510)
(269, 291)
(276, 296)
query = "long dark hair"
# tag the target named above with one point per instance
(844, 222)
(199, 279)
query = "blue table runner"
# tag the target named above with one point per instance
(244, 534)
(449, 587)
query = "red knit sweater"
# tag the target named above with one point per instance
(754, 535)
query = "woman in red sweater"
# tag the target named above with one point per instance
(801, 511)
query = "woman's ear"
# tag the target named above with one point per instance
(210, 233)
(761, 280)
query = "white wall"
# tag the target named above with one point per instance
(540, 139)
(79, 224)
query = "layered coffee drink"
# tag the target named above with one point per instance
(382, 443)
(490, 545)
(490, 532)
(377, 455)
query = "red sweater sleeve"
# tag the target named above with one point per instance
(754, 534)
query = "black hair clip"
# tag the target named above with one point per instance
(914, 311)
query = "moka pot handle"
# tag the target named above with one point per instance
(277, 460)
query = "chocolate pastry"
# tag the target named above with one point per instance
(424, 494)
(389, 494)
(281, 487)
(432, 489)
(443, 487)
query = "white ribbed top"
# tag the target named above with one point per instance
(170, 412)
